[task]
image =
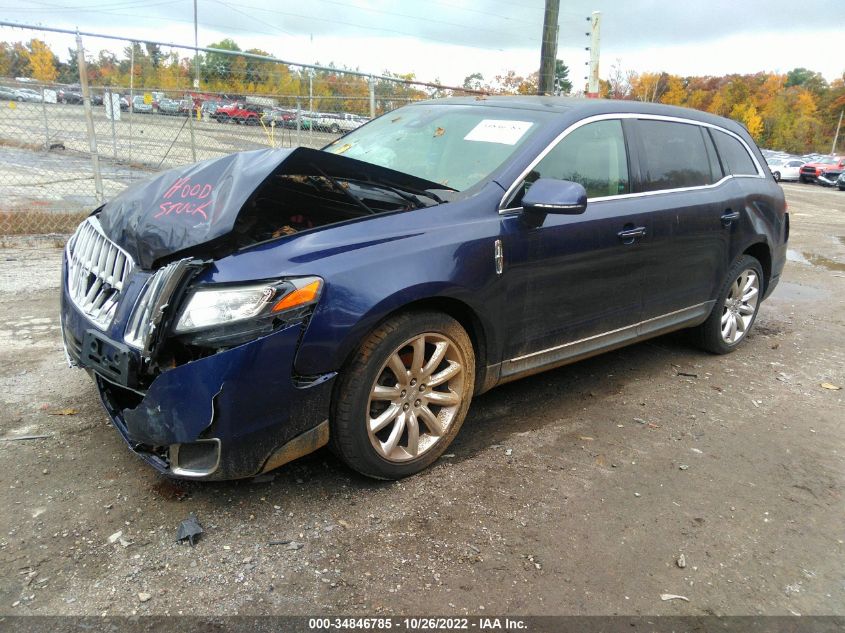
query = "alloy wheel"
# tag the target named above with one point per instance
(740, 306)
(415, 397)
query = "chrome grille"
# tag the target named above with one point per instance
(98, 270)
(151, 304)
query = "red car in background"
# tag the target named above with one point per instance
(811, 171)
(243, 113)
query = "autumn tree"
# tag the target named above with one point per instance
(42, 61)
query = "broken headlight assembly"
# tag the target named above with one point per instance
(227, 315)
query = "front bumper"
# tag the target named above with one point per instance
(230, 415)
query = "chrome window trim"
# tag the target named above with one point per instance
(628, 115)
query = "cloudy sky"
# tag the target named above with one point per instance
(450, 39)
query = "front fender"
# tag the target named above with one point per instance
(356, 300)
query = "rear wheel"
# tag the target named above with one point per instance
(736, 308)
(776, 174)
(403, 398)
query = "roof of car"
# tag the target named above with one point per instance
(586, 107)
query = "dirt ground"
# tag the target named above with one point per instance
(571, 492)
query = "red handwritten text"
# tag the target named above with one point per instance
(185, 197)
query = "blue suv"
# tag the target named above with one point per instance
(244, 311)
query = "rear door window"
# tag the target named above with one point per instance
(675, 156)
(735, 158)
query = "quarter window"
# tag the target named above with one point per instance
(675, 156)
(592, 155)
(734, 156)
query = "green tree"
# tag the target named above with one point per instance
(562, 84)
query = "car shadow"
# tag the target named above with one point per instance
(526, 405)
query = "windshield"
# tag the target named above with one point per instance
(455, 145)
(827, 161)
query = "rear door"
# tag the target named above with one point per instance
(691, 211)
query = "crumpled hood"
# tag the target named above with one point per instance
(185, 207)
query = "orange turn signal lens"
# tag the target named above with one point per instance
(298, 297)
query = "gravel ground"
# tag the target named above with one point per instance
(572, 492)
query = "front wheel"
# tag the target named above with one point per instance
(776, 174)
(736, 308)
(402, 399)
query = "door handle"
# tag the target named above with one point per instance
(729, 216)
(629, 235)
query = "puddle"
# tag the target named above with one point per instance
(811, 259)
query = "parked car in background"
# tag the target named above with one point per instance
(809, 172)
(210, 107)
(8, 94)
(168, 107)
(254, 307)
(243, 113)
(337, 123)
(139, 106)
(187, 107)
(69, 95)
(785, 168)
(124, 104)
(840, 182)
(829, 177)
(276, 117)
(28, 94)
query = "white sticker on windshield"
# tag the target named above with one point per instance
(497, 131)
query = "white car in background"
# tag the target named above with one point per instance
(785, 168)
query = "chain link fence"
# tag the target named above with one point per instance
(61, 155)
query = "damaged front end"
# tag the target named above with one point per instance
(197, 376)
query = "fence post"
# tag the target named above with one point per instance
(298, 123)
(372, 83)
(46, 125)
(191, 127)
(89, 118)
(131, 96)
(110, 111)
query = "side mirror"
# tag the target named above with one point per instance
(547, 195)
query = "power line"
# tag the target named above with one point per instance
(367, 27)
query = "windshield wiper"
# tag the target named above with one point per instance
(339, 187)
(413, 190)
(392, 189)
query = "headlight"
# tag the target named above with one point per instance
(215, 313)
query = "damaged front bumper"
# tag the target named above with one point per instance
(233, 414)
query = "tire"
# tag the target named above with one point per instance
(335, 129)
(404, 402)
(223, 118)
(776, 174)
(733, 305)
(802, 179)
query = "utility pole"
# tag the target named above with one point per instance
(836, 137)
(196, 51)
(548, 49)
(595, 27)
(89, 118)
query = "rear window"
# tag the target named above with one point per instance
(675, 156)
(735, 158)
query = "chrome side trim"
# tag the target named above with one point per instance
(592, 344)
(626, 115)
